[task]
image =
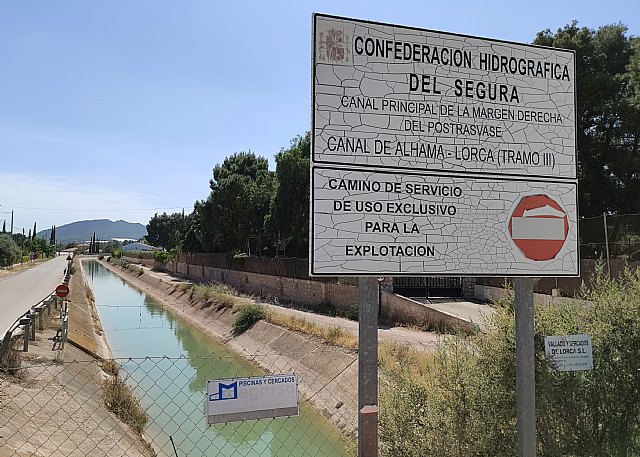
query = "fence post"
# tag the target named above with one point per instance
(32, 316)
(25, 322)
(606, 242)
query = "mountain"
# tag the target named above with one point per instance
(103, 228)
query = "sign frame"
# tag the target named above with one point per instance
(471, 174)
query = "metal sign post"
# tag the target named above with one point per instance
(368, 297)
(525, 367)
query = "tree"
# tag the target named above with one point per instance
(608, 115)
(288, 219)
(9, 251)
(33, 234)
(111, 246)
(19, 238)
(241, 192)
(4, 226)
(167, 230)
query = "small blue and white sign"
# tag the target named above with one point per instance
(230, 400)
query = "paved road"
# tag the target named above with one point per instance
(20, 292)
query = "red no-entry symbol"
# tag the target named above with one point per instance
(539, 227)
(62, 290)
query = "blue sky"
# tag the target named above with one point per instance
(121, 109)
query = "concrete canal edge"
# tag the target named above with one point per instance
(85, 329)
(328, 375)
(87, 335)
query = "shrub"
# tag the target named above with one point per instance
(161, 256)
(463, 402)
(248, 315)
(9, 251)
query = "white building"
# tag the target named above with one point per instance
(138, 247)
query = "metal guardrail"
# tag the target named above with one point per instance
(33, 318)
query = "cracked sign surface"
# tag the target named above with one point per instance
(452, 131)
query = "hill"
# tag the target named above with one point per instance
(104, 229)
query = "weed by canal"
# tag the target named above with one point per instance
(248, 315)
(119, 398)
(11, 363)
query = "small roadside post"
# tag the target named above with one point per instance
(25, 322)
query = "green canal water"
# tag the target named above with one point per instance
(167, 362)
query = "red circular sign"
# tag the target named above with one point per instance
(62, 290)
(539, 227)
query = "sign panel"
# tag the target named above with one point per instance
(400, 97)
(375, 222)
(569, 353)
(442, 154)
(62, 290)
(252, 398)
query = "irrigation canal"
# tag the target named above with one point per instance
(167, 362)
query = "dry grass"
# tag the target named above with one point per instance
(120, 399)
(332, 335)
(392, 357)
(397, 359)
(22, 267)
(218, 294)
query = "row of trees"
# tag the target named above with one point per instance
(250, 207)
(608, 115)
(18, 247)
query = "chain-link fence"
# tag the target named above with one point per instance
(614, 236)
(156, 406)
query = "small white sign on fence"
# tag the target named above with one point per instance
(570, 352)
(230, 400)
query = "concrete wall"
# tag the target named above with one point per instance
(303, 291)
(489, 293)
(398, 309)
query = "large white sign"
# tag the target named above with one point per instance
(569, 353)
(436, 153)
(418, 223)
(239, 399)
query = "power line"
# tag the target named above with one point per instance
(97, 209)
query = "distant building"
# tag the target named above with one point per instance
(138, 247)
